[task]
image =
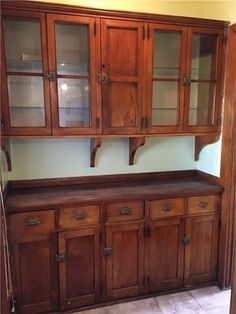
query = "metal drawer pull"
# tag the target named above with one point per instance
(203, 204)
(186, 239)
(79, 216)
(125, 211)
(33, 222)
(107, 251)
(166, 207)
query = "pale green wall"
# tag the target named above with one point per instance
(67, 157)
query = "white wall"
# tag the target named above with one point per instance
(44, 158)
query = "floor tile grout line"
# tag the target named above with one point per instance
(158, 305)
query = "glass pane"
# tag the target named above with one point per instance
(73, 96)
(166, 54)
(72, 49)
(164, 103)
(203, 56)
(201, 102)
(23, 46)
(26, 101)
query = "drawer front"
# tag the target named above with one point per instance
(32, 222)
(79, 216)
(125, 211)
(166, 208)
(203, 204)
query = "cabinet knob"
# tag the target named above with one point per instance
(166, 207)
(107, 251)
(102, 77)
(125, 211)
(79, 216)
(186, 80)
(203, 204)
(60, 258)
(186, 239)
(33, 222)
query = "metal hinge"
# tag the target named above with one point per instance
(60, 258)
(146, 232)
(144, 122)
(2, 124)
(146, 280)
(225, 36)
(95, 29)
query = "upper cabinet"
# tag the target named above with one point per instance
(51, 75)
(122, 76)
(89, 74)
(184, 79)
(25, 90)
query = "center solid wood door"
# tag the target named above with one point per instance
(124, 263)
(122, 76)
(79, 270)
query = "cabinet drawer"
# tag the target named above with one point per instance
(125, 211)
(203, 204)
(32, 222)
(79, 216)
(166, 208)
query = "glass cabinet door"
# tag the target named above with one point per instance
(165, 53)
(72, 71)
(26, 91)
(201, 80)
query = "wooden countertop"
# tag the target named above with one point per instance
(26, 198)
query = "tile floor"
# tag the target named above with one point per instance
(209, 300)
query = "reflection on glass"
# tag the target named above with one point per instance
(164, 103)
(72, 49)
(26, 101)
(166, 54)
(203, 56)
(73, 97)
(201, 100)
(23, 46)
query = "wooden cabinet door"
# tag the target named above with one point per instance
(25, 88)
(80, 267)
(201, 249)
(124, 255)
(73, 44)
(164, 91)
(204, 79)
(166, 254)
(35, 272)
(122, 76)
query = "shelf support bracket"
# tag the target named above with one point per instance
(134, 144)
(6, 149)
(203, 140)
(95, 144)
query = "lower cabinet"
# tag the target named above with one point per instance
(124, 253)
(201, 250)
(34, 270)
(79, 267)
(92, 254)
(166, 254)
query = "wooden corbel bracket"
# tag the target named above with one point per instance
(6, 149)
(134, 144)
(95, 144)
(203, 140)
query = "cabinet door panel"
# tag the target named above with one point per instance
(124, 267)
(166, 254)
(164, 94)
(73, 61)
(201, 252)
(204, 71)
(25, 94)
(80, 272)
(36, 291)
(122, 53)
